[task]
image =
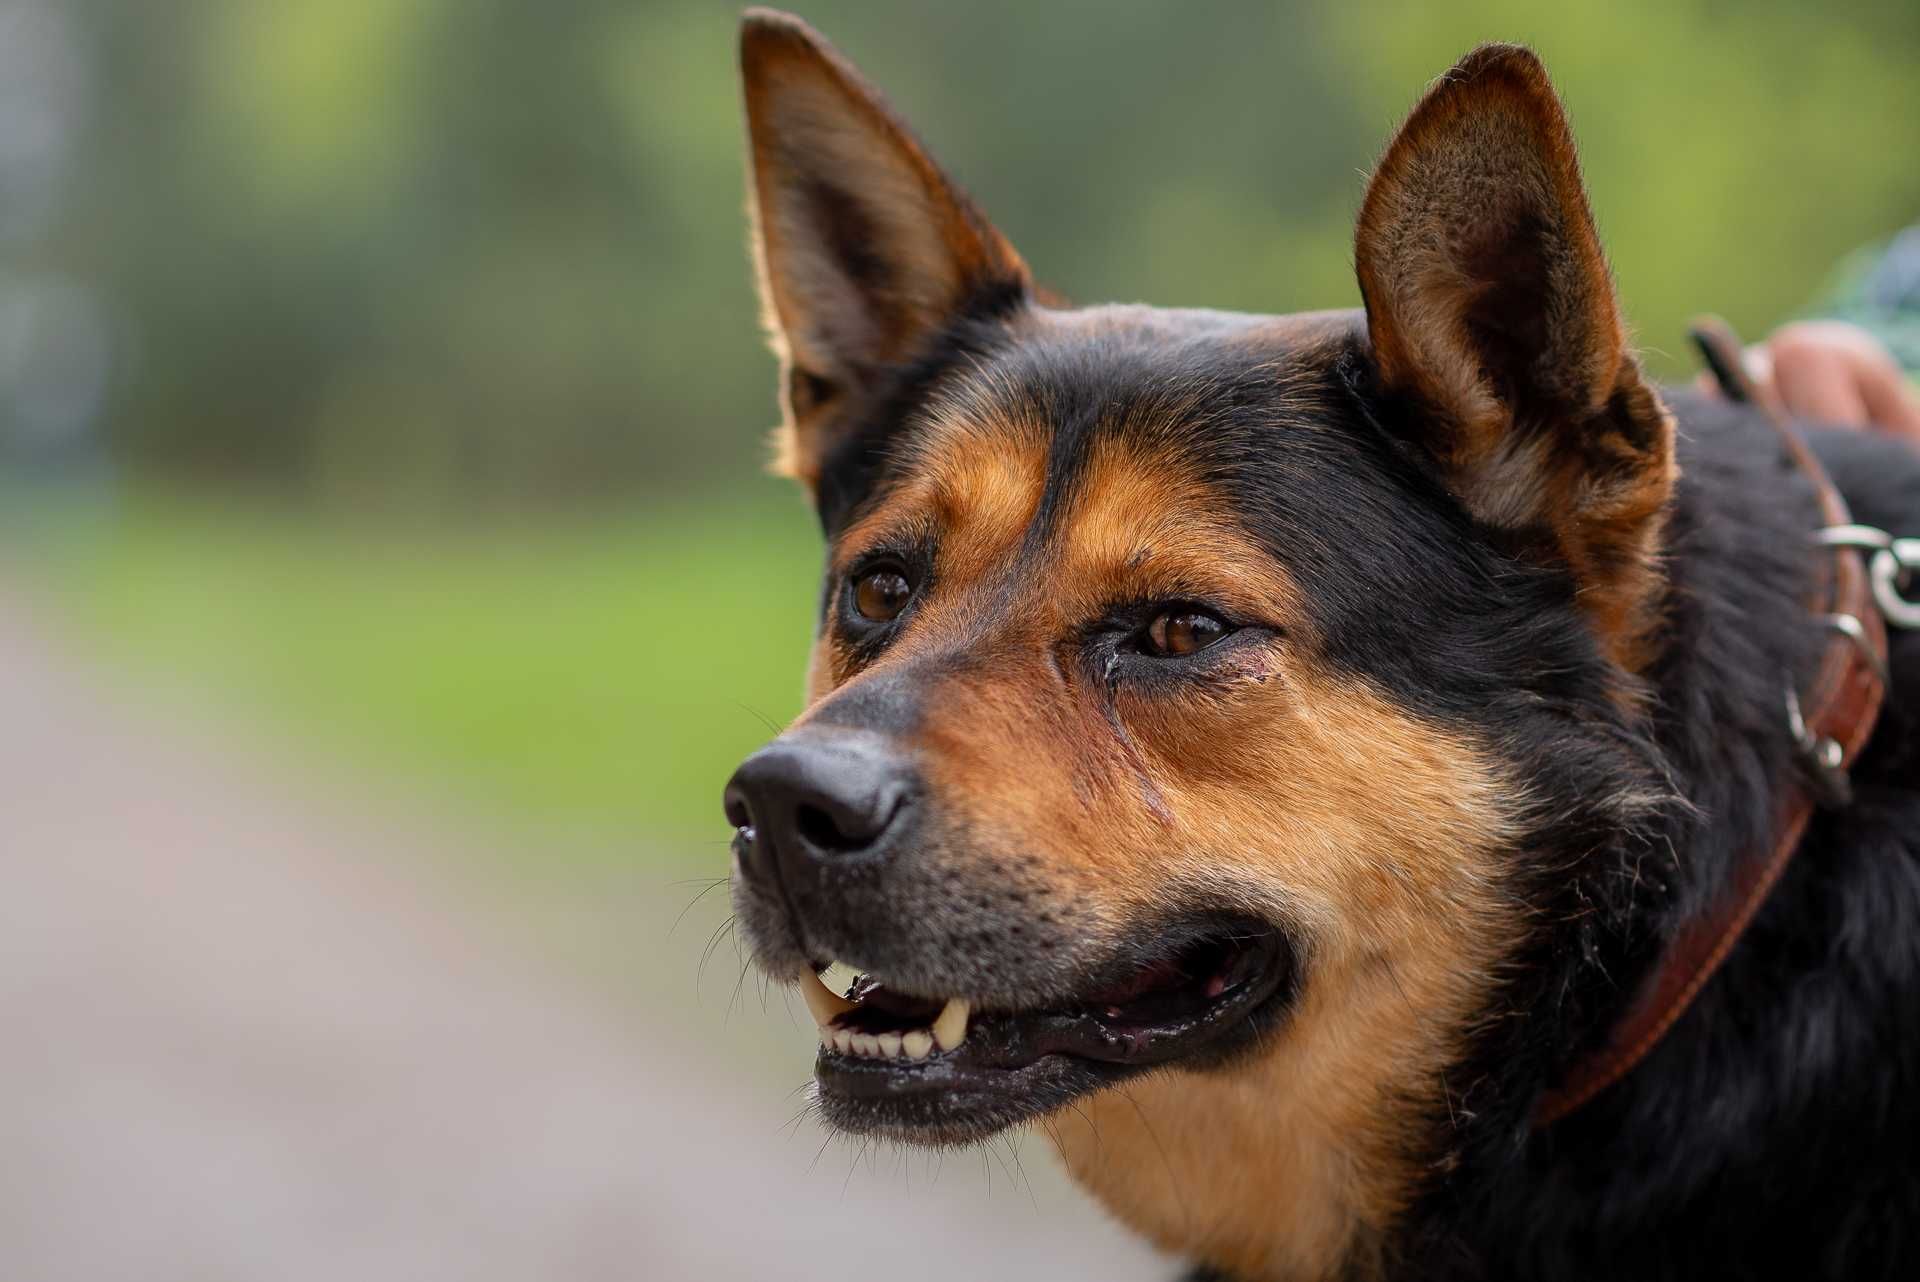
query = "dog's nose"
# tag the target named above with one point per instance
(811, 803)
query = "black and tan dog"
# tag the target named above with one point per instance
(1266, 751)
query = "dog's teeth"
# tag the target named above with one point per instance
(839, 978)
(917, 1043)
(950, 1029)
(823, 1001)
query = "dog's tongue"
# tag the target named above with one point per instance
(1160, 975)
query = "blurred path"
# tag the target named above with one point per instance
(241, 1037)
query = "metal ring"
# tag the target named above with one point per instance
(1819, 750)
(1853, 630)
(1864, 537)
(1888, 572)
(1821, 756)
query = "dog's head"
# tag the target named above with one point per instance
(1185, 682)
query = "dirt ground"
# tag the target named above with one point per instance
(255, 1034)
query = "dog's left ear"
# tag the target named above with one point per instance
(1492, 314)
(867, 252)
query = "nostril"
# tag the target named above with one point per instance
(739, 814)
(819, 830)
(833, 825)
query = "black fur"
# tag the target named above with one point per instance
(887, 397)
(1774, 1132)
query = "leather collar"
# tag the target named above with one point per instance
(1831, 723)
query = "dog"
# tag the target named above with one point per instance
(1269, 753)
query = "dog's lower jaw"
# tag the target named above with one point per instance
(1296, 1164)
(1294, 1214)
(1289, 1215)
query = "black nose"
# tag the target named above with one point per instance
(814, 802)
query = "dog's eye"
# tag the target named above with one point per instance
(880, 595)
(1177, 632)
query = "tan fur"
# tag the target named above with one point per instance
(1292, 1165)
(1482, 184)
(1282, 791)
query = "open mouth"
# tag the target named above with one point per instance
(945, 1070)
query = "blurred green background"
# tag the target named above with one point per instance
(388, 369)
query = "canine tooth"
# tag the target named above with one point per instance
(843, 1040)
(918, 1044)
(890, 1045)
(823, 1001)
(839, 978)
(950, 1029)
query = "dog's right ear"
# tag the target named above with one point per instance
(866, 251)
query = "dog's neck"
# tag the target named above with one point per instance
(1738, 635)
(1741, 635)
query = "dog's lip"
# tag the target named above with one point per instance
(1151, 1009)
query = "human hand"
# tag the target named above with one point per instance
(1833, 372)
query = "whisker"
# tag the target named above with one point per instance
(854, 1166)
(704, 892)
(1099, 1140)
(757, 715)
(713, 942)
(1013, 1151)
(793, 1123)
(1166, 1162)
(746, 963)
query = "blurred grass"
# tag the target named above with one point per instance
(603, 675)
(353, 251)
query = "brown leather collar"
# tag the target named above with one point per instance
(1839, 715)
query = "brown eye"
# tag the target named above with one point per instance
(880, 595)
(1178, 632)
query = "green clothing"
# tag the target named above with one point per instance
(1878, 289)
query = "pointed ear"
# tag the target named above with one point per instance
(866, 251)
(1492, 315)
